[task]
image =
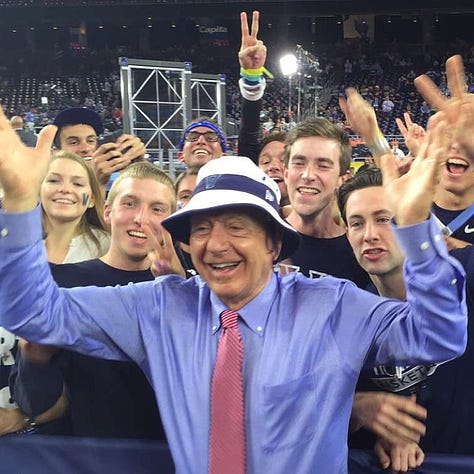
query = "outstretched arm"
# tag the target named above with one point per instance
(411, 195)
(252, 56)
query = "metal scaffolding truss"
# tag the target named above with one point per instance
(159, 98)
(208, 97)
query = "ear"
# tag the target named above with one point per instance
(107, 211)
(277, 250)
(274, 244)
(91, 202)
(180, 156)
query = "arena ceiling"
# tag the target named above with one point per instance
(230, 8)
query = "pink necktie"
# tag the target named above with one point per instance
(227, 441)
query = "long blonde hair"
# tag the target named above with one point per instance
(93, 217)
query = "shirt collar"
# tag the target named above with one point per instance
(254, 314)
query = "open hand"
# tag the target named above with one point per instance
(392, 417)
(22, 169)
(411, 196)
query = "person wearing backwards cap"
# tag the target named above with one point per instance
(78, 132)
(282, 402)
(202, 140)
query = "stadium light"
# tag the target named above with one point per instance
(289, 67)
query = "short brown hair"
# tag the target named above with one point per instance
(142, 170)
(271, 137)
(321, 127)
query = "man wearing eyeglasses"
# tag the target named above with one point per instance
(202, 141)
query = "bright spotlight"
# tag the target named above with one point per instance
(288, 64)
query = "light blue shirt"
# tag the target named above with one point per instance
(305, 342)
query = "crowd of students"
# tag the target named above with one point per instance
(323, 358)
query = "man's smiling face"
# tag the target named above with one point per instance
(197, 153)
(458, 174)
(233, 253)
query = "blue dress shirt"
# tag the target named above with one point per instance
(305, 342)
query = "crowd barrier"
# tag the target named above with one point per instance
(33, 454)
(41, 454)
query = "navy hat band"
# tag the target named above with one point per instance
(237, 182)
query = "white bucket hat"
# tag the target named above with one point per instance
(233, 182)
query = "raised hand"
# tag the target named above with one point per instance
(413, 133)
(112, 157)
(457, 111)
(162, 254)
(253, 52)
(411, 196)
(359, 113)
(22, 169)
(362, 119)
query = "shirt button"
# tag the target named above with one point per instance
(424, 245)
(259, 328)
(437, 237)
(214, 328)
(4, 232)
(454, 281)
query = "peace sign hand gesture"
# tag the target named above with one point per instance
(458, 110)
(253, 52)
(163, 257)
(413, 133)
(411, 196)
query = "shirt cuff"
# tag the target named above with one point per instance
(252, 92)
(20, 229)
(421, 242)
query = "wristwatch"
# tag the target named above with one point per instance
(30, 426)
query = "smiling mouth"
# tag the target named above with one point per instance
(304, 190)
(201, 151)
(456, 165)
(137, 234)
(64, 201)
(223, 266)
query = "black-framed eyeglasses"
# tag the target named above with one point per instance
(208, 136)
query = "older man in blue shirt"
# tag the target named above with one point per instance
(305, 341)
